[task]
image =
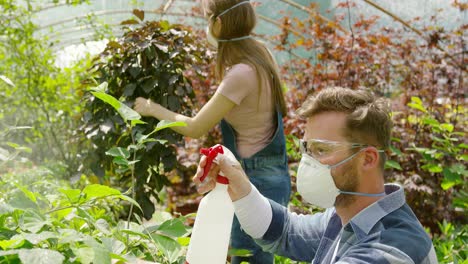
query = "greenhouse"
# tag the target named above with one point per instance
(233, 131)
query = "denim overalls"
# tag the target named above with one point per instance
(268, 171)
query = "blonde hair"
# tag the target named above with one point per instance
(368, 118)
(239, 22)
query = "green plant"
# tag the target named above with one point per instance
(429, 158)
(43, 220)
(9, 150)
(148, 61)
(127, 158)
(446, 153)
(74, 225)
(451, 243)
(283, 260)
(39, 95)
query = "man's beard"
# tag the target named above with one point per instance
(348, 181)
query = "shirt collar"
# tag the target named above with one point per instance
(364, 221)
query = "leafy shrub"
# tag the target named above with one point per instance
(44, 220)
(430, 160)
(148, 61)
(40, 95)
(451, 243)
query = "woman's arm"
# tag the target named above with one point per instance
(210, 114)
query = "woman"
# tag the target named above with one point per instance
(249, 103)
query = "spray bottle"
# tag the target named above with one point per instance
(212, 228)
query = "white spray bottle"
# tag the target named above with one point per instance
(212, 228)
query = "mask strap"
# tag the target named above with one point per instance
(350, 157)
(227, 10)
(232, 7)
(345, 160)
(359, 193)
(364, 194)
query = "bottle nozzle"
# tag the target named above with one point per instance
(211, 154)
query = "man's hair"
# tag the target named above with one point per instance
(368, 117)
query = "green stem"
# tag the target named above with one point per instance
(132, 168)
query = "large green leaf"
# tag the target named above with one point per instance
(27, 192)
(432, 167)
(36, 238)
(103, 226)
(67, 235)
(21, 201)
(417, 104)
(14, 242)
(118, 152)
(167, 124)
(168, 246)
(416, 100)
(159, 217)
(9, 252)
(240, 252)
(459, 169)
(113, 245)
(85, 255)
(40, 256)
(396, 151)
(430, 121)
(73, 195)
(129, 199)
(417, 107)
(101, 253)
(173, 228)
(392, 164)
(99, 191)
(446, 184)
(33, 221)
(121, 161)
(125, 112)
(447, 127)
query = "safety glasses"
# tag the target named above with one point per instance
(321, 148)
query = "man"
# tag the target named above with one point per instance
(342, 166)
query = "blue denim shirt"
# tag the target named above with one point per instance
(385, 232)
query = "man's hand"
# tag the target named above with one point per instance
(239, 184)
(144, 106)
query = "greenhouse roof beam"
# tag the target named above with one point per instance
(111, 13)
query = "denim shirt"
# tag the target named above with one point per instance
(387, 231)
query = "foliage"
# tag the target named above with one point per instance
(434, 158)
(39, 95)
(125, 159)
(430, 65)
(44, 220)
(9, 150)
(451, 243)
(148, 61)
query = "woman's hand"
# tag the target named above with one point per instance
(144, 106)
(239, 184)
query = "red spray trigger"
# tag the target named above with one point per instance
(211, 154)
